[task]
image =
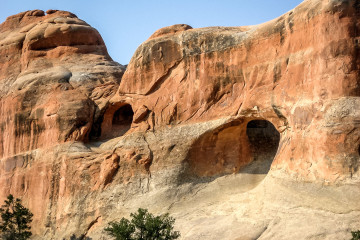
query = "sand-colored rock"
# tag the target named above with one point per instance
(238, 132)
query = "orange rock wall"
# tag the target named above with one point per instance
(191, 91)
(48, 94)
(290, 71)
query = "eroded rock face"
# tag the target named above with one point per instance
(236, 131)
(290, 71)
(56, 74)
(56, 80)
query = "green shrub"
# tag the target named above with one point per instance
(355, 235)
(81, 237)
(15, 220)
(143, 226)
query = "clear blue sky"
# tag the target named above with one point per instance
(124, 25)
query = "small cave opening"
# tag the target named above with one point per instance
(122, 119)
(264, 142)
(114, 122)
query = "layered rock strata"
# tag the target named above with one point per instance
(239, 132)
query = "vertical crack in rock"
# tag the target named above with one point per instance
(91, 224)
(151, 156)
(280, 115)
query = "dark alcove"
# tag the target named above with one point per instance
(122, 119)
(264, 142)
(114, 122)
(123, 116)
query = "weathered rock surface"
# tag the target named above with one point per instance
(239, 132)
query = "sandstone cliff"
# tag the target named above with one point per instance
(239, 132)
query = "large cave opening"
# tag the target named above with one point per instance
(245, 147)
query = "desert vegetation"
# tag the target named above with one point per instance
(143, 226)
(355, 235)
(15, 220)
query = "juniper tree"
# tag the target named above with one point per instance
(15, 220)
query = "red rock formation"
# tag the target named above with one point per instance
(239, 132)
(56, 79)
(292, 71)
(65, 77)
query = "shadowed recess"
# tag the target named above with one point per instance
(237, 147)
(122, 119)
(115, 122)
(264, 142)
